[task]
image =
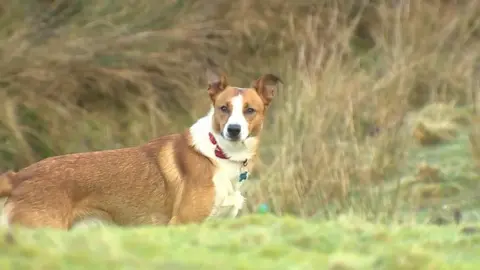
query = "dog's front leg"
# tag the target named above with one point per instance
(192, 205)
(173, 221)
(235, 201)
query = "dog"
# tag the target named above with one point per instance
(176, 179)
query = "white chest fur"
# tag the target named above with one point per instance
(228, 198)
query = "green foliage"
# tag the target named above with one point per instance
(253, 242)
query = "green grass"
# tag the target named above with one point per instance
(457, 185)
(250, 242)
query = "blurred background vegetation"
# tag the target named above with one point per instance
(376, 115)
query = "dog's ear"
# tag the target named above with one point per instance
(216, 83)
(267, 86)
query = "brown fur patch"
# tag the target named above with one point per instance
(255, 120)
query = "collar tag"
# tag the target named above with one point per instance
(243, 171)
(243, 176)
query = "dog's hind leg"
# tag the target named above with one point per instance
(38, 215)
(3, 214)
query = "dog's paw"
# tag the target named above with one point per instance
(239, 200)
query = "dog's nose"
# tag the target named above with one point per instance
(234, 130)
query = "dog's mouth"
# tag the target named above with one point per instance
(232, 139)
(235, 140)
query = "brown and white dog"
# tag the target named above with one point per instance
(175, 179)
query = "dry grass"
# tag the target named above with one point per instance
(474, 139)
(85, 75)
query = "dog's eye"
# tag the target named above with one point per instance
(224, 109)
(250, 110)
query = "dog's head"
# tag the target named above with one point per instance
(239, 112)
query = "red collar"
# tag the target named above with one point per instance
(218, 151)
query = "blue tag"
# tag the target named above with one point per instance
(243, 176)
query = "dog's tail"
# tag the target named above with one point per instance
(6, 183)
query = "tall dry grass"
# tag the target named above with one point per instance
(87, 75)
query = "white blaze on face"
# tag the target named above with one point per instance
(237, 118)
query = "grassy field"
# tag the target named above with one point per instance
(372, 142)
(254, 242)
